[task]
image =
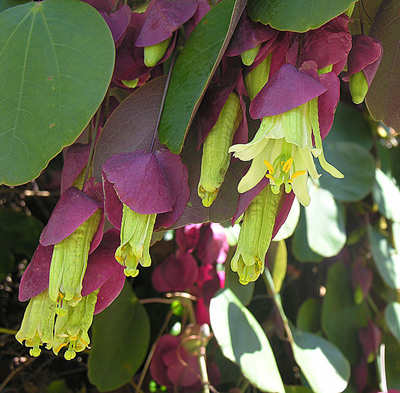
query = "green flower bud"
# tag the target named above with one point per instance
(37, 324)
(358, 87)
(255, 235)
(131, 84)
(136, 231)
(154, 53)
(256, 79)
(72, 328)
(216, 158)
(325, 70)
(249, 56)
(68, 264)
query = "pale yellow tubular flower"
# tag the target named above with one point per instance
(68, 264)
(38, 324)
(136, 232)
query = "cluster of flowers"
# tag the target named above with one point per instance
(292, 82)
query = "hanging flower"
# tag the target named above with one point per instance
(282, 150)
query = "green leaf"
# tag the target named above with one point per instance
(358, 167)
(277, 259)
(349, 125)
(56, 60)
(392, 362)
(300, 248)
(243, 292)
(369, 9)
(326, 233)
(387, 260)
(342, 318)
(243, 341)
(19, 235)
(194, 69)
(297, 389)
(309, 316)
(296, 15)
(386, 194)
(392, 317)
(288, 227)
(324, 366)
(4, 4)
(121, 336)
(384, 93)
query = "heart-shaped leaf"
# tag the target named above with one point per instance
(121, 336)
(384, 93)
(194, 69)
(54, 74)
(243, 341)
(296, 15)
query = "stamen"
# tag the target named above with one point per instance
(269, 176)
(286, 167)
(269, 166)
(298, 173)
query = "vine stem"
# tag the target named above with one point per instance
(278, 302)
(153, 141)
(8, 331)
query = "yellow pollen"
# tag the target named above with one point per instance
(61, 346)
(287, 165)
(298, 173)
(290, 181)
(269, 176)
(269, 166)
(118, 258)
(60, 295)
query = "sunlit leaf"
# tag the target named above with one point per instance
(326, 233)
(57, 59)
(386, 194)
(194, 69)
(243, 341)
(121, 335)
(392, 317)
(277, 260)
(288, 227)
(324, 366)
(296, 15)
(386, 258)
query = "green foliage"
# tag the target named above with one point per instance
(296, 15)
(19, 235)
(243, 341)
(121, 336)
(56, 74)
(194, 69)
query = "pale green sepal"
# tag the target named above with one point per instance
(325, 70)
(249, 56)
(136, 232)
(68, 264)
(256, 79)
(318, 141)
(358, 87)
(296, 125)
(216, 158)
(37, 324)
(131, 84)
(72, 329)
(255, 235)
(154, 53)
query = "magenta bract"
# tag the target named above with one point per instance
(148, 183)
(248, 35)
(187, 237)
(163, 17)
(72, 210)
(177, 273)
(36, 276)
(365, 55)
(287, 89)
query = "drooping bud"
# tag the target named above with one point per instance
(68, 264)
(154, 53)
(256, 79)
(216, 158)
(71, 329)
(358, 87)
(255, 235)
(37, 325)
(136, 231)
(131, 84)
(249, 55)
